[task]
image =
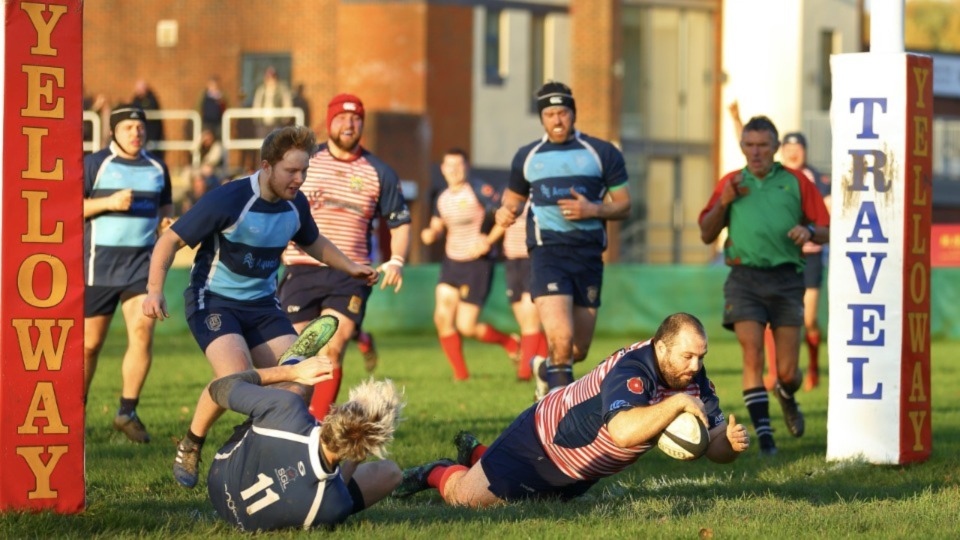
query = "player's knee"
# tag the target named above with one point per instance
(390, 474)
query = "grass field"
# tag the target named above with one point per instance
(797, 494)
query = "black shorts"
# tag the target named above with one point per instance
(472, 278)
(257, 321)
(518, 468)
(305, 291)
(103, 299)
(518, 278)
(576, 272)
(813, 271)
(765, 295)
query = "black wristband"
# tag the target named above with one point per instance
(812, 229)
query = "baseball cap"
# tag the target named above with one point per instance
(795, 137)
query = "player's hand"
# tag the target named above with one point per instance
(364, 273)
(479, 249)
(155, 306)
(428, 236)
(120, 201)
(505, 217)
(579, 207)
(313, 370)
(392, 271)
(165, 224)
(737, 435)
(692, 405)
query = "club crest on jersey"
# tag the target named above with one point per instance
(213, 322)
(635, 385)
(355, 304)
(356, 183)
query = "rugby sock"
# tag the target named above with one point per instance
(127, 406)
(529, 344)
(758, 405)
(477, 453)
(544, 349)
(561, 375)
(445, 476)
(813, 368)
(197, 440)
(324, 394)
(453, 347)
(770, 347)
(489, 334)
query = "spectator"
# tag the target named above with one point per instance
(212, 105)
(144, 98)
(272, 94)
(770, 212)
(300, 102)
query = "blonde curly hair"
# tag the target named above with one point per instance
(364, 425)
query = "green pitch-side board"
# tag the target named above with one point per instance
(635, 299)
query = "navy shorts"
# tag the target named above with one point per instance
(766, 295)
(576, 272)
(517, 467)
(472, 278)
(518, 278)
(305, 291)
(102, 299)
(813, 271)
(257, 321)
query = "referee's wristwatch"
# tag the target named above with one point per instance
(812, 229)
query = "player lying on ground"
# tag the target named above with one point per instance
(625, 403)
(285, 469)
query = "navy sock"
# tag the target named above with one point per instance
(559, 375)
(127, 406)
(758, 405)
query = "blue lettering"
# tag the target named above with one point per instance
(857, 391)
(865, 283)
(868, 104)
(867, 219)
(865, 318)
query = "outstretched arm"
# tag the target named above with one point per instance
(641, 424)
(309, 372)
(727, 441)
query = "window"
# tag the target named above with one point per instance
(494, 47)
(538, 51)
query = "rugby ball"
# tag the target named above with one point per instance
(686, 438)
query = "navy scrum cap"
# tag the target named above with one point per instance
(795, 138)
(126, 112)
(555, 93)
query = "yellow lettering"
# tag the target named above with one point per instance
(917, 419)
(918, 282)
(58, 281)
(920, 76)
(38, 87)
(34, 153)
(919, 245)
(45, 348)
(42, 471)
(919, 192)
(43, 27)
(34, 234)
(918, 394)
(918, 331)
(920, 146)
(43, 395)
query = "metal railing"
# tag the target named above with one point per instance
(191, 145)
(228, 128)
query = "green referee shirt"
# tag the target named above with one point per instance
(759, 219)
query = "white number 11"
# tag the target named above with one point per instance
(263, 483)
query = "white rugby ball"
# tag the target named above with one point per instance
(686, 438)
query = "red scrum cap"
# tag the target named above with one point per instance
(344, 103)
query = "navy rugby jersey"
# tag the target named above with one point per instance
(273, 477)
(117, 245)
(572, 420)
(545, 172)
(241, 238)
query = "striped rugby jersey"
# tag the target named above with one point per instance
(515, 237)
(345, 197)
(464, 212)
(545, 172)
(241, 238)
(572, 420)
(117, 245)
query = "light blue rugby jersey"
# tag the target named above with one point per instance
(545, 172)
(117, 245)
(241, 237)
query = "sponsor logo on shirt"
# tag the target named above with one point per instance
(618, 404)
(286, 476)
